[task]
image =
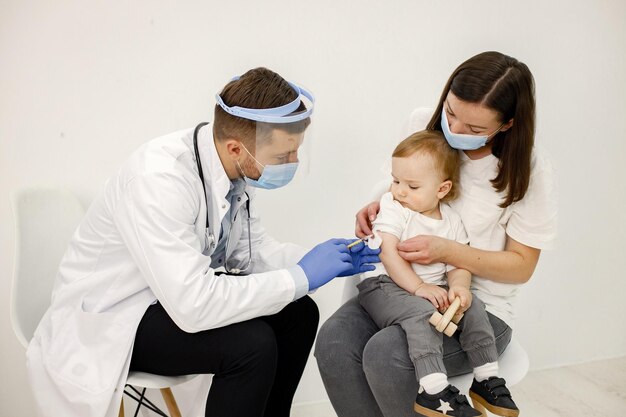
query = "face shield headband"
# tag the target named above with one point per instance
(280, 114)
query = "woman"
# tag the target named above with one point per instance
(487, 111)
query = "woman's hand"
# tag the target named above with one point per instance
(464, 294)
(424, 249)
(433, 293)
(364, 219)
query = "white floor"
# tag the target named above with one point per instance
(595, 389)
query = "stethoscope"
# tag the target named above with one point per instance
(208, 236)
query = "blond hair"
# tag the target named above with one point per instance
(445, 159)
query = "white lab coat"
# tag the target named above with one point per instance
(142, 240)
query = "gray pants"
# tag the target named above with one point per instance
(367, 371)
(388, 305)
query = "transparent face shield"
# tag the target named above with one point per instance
(279, 154)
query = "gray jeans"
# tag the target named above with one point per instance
(388, 305)
(367, 371)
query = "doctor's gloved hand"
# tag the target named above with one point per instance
(326, 261)
(333, 259)
(362, 257)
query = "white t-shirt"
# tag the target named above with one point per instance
(405, 223)
(531, 221)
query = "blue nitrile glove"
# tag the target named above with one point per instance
(326, 261)
(362, 256)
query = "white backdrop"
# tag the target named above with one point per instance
(82, 84)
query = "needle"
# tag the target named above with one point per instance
(356, 242)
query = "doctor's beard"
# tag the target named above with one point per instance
(249, 168)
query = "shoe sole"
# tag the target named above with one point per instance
(483, 406)
(428, 412)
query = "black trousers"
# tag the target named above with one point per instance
(257, 364)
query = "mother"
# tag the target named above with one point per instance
(487, 111)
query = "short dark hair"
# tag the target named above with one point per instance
(258, 88)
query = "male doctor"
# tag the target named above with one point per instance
(138, 288)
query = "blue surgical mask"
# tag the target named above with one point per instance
(272, 176)
(462, 141)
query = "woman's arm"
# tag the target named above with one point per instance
(364, 219)
(367, 214)
(513, 265)
(401, 272)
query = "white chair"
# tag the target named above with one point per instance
(45, 220)
(160, 382)
(513, 363)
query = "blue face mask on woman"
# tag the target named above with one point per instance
(462, 141)
(272, 176)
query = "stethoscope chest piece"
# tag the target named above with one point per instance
(210, 238)
(211, 242)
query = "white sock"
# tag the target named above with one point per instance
(486, 371)
(434, 383)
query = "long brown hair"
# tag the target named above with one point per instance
(505, 85)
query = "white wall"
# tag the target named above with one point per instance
(84, 83)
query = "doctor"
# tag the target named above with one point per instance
(138, 288)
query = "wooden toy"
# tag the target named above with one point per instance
(443, 322)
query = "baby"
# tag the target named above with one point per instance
(425, 171)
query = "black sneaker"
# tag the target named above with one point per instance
(447, 403)
(493, 395)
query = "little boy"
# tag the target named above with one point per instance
(425, 170)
